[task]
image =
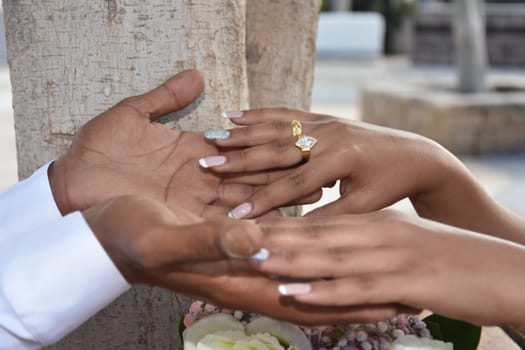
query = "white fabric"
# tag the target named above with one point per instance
(54, 274)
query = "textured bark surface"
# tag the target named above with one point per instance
(72, 60)
(69, 61)
(280, 43)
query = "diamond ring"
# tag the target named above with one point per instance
(305, 143)
(297, 128)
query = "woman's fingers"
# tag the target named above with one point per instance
(263, 115)
(297, 184)
(309, 199)
(253, 135)
(278, 154)
(365, 289)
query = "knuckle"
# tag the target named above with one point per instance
(280, 125)
(280, 147)
(297, 180)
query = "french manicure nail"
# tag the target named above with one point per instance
(216, 134)
(295, 289)
(213, 161)
(262, 255)
(232, 115)
(240, 211)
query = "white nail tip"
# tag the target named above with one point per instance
(261, 255)
(202, 163)
(283, 290)
(216, 134)
(225, 115)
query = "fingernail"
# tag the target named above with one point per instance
(260, 256)
(210, 162)
(216, 134)
(240, 211)
(237, 243)
(232, 115)
(295, 289)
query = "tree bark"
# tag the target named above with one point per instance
(280, 50)
(471, 44)
(70, 61)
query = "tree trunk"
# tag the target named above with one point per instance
(281, 55)
(341, 5)
(471, 47)
(281, 52)
(69, 61)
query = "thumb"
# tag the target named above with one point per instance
(176, 93)
(218, 239)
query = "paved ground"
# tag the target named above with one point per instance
(336, 92)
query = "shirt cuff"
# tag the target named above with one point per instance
(55, 278)
(28, 204)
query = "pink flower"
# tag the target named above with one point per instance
(195, 307)
(188, 320)
(209, 308)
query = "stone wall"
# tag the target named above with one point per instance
(465, 124)
(433, 37)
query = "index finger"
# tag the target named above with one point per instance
(174, 94)
(297, 184)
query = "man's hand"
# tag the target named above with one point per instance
(147, 240)
(124, 151)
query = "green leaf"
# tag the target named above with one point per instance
(463, 335)
(182, 327)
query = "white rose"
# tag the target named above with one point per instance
(410, 342)
(224, 332)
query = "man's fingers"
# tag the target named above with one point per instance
(257, 178)
(176, 93)
(338, 207)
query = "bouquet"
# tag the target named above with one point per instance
(211, 327)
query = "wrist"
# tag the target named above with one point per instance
(97, 219)
(445, 181)
(57, 181)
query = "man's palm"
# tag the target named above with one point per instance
(124, 151)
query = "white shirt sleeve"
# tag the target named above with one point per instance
(54, 274)
(27, 204)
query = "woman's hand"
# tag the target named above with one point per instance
(385, 257)
(206, 259)
(370, 161)
(376, 166)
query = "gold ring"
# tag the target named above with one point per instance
(297, 128)
(305, 143)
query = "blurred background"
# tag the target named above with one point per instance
(395, 63)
